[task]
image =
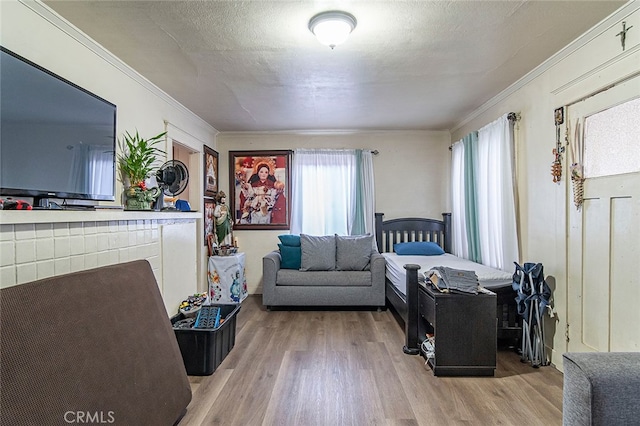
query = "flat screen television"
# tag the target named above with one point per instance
(57, 140)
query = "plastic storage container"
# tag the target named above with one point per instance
(204, 349)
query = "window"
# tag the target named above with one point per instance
(612, 141)
(332, 192)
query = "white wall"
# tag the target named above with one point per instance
(411, 176)
(589, 64)
(35, 32)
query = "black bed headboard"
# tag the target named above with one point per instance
(389, 232)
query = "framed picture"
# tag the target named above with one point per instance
(210, 172)
(558, 113)
(209, 207)
(260, 183)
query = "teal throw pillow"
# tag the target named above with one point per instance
(418, 248)
(290, 240)
(291, 257)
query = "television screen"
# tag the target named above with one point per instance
(57, 140)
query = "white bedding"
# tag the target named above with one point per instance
(488, 277)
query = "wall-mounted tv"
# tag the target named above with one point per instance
(57, 140)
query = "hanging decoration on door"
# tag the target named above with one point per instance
(556, 166)
(577, 176)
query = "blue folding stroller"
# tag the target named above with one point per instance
(533, 298)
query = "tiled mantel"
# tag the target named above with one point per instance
(38, 244)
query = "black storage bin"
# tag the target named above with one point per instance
(204, 349)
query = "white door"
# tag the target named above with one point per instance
(603, 247)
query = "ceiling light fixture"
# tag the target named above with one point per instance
(332, 28)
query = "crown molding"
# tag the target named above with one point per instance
(578, 43)
(72, 31)
(332, 132)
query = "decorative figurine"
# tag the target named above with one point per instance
(223, 220)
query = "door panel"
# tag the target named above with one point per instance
(625, 291)
(603, 248)
(595, 260)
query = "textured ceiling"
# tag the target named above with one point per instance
(255, 66)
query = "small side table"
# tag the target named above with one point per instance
(226, 278)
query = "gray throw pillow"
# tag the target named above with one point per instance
(353, 253)
(318, 253)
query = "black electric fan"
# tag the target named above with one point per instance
(172, 178)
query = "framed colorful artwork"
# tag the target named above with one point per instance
(209, 207)
(210, 172)
(260, 183)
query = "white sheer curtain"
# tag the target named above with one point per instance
(483, 201)
(458, 213)
(329, 189)
(495, 195)
(368, 192)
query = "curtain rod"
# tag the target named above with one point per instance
(512, 117)
(373, 151)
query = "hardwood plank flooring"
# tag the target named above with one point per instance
(325, 367)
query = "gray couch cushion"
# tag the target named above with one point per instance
(290, 277)
(318, 253)
(353, 253)
(601, 388)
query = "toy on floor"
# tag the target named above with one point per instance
(192, 304)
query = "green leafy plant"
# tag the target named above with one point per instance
(138, 157)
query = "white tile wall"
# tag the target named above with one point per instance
(44, 230)
(62, 266)
(45, 269)
(60, 229)
(90, 243)
(25, 272)
(76, 244)
(25, 251)
(62, 247)
(7, 253)
(8, 275)
(25, 231)
(6, 233)
(35, 251)
(45, 248)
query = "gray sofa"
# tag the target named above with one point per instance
(335, 286)
(601, 388)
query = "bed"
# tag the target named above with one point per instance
(403, 272)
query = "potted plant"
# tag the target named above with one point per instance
(137, 160)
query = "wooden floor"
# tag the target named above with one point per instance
(347, 368)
